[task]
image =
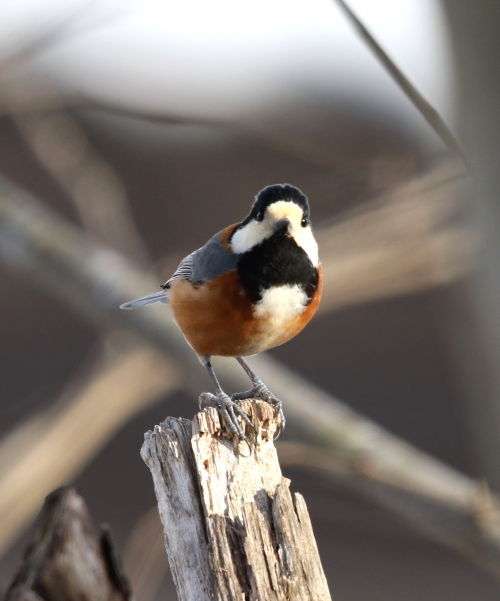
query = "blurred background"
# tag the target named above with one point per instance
(144, 127)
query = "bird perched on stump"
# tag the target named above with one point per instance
(253, 286)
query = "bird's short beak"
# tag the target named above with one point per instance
(282, 225)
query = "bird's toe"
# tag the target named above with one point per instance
(229, 411)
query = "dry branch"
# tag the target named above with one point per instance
(232, 528)
(66, 558)
(89, 181)
(410, 238)
(428, 112)
(469, 524)
(53, 446)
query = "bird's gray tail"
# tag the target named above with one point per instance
(157, 297)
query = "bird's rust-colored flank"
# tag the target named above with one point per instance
(216, 318)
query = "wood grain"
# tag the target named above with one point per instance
(233, 529)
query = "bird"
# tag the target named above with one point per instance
(253, 286)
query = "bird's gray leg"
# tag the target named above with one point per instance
(260, 391)
(226, 406)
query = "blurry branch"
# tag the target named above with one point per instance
(32, 92)
(94, 281)
(43, 38)
(72, 20)
(26, 97)
(52, 447)
(144, 558)
(471, 527)
(403, 242)
(20, 93)
(93, 186)
(35, 95)
(428, 112)
(399, 269)
(407, 240)
(63, 148)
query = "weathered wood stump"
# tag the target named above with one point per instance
(233, 531)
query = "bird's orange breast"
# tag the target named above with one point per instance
(217, 318)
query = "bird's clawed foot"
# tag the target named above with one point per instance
(228, 410)
(260, 391)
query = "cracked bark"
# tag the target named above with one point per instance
(233, 530)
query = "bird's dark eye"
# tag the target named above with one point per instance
(259, 216)
(304, 222)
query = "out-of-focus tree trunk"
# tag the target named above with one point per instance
(474, 310)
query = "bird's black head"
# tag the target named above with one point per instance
(277, 193)
(281, 210)
(276, 246)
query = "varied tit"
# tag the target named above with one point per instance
(253, 286)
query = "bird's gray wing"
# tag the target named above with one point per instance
(185, 269)
(206, 263)
(203, 264)
(212, 260)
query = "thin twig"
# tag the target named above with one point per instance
(428, 112)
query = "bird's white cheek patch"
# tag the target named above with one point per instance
(250, 235)
(281, 304)
(305, 239)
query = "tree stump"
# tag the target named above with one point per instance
(66, 559)
(233, 531)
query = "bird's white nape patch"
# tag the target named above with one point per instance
(250, 235)
(255, 232)
(281, 304)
